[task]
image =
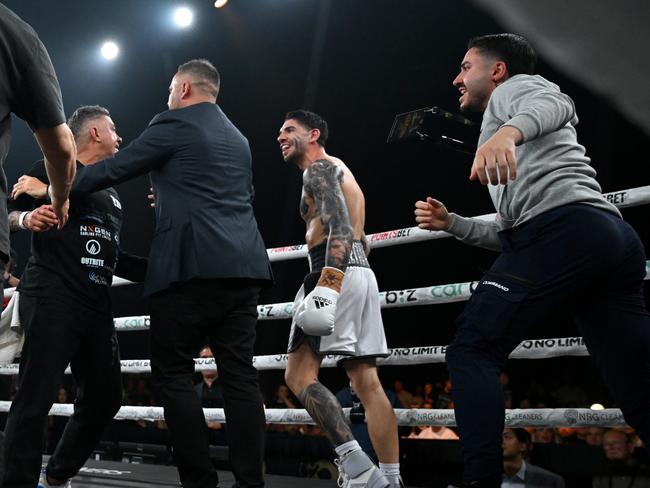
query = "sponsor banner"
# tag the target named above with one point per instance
(380, 239)
(287, 252)
(140, 322)
(621, 199)
(399, 356)
(565, 417)
(629, 198)
(421, 416)
(290, 416)
(275, 311)
(543, 417)
(550, 348)
(430, 295)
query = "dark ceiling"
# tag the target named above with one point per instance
(358, 63)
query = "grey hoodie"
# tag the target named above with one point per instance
(552, 168)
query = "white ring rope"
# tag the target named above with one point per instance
(530, 349)
(399, 356)
(542, 417)
(430, 295)
(622, 199)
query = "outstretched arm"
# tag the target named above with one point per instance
(150, 150)
(322, 181)
(433, 215)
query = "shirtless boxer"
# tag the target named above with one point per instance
(337, 310)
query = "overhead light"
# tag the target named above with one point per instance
(220, 3)
(183, 17)
(110, 50)
(597, 406)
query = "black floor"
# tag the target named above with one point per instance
(96, 474)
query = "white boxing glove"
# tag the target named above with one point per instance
(316, 313)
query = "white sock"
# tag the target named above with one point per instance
(389, 470)
(347, 447)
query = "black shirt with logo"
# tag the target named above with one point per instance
(28, 88)
(79, 260)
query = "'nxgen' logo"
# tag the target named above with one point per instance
(321, 302)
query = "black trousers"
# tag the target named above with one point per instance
(578, 257)
(59, 332)
(183, 317)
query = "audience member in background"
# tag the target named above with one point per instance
(211, 396)
(632, 434)
(429, 394)
(623, 470)
(444, 398)
(544, 435)
(283, 398)
(593, 436)
(519, 473)
(569, 394)
(360, 430)
(405, 396)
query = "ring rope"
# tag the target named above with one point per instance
(399, 356)
(430, 295)
(621, 199)
(538, 417)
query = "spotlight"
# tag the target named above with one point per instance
(183, 17)
(110, 50)
(597, 406)
(220, 3)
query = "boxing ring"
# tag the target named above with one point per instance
(97, 474)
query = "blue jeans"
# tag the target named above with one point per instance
(574, 256)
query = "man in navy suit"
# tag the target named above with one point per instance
(207, 265)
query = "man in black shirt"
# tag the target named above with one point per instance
(65, 309)
(29, 88)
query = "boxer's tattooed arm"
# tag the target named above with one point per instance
(322, 181)
(326, 411)
(307, 209)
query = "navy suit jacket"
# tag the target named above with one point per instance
(200, 169)
(537, 477)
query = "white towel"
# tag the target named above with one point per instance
(11, 331)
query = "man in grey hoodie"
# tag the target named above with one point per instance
(562, 245)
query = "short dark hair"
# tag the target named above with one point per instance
(512, 49)
(206, 74)
(310, 120)
(83, 114)
(523, 436)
